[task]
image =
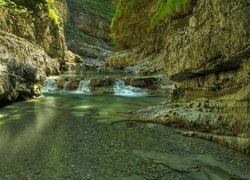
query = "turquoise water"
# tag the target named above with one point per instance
(77, 136)
(46, 137)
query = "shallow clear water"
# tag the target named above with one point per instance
(76, 136)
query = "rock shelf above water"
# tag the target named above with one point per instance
(107, 85)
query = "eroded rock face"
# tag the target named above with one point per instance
(31, 48)
(23, 68)
(87, 34)
(215, 39)
(206, 54)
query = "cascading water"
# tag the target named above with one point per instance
(66, 85)
(71, 85)
(84, 86)
(121, 89)
(50, 85)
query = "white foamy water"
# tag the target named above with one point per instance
(84, 86)
(50, 85)
(66, 85)
(121, 89)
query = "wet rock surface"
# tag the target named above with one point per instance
(200, 167)
(205, 53)
(108, 85)
(215, 120)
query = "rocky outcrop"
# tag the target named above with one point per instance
(32, 47)
(108, 85)
(23, 68)
(206, 54)
(136, 61)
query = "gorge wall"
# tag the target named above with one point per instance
(204, 48)
(87, 29)
(32, 46)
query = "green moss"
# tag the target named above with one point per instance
(170, 8)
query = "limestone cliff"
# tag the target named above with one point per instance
(32, 46)
(87, 29)
(205, 51)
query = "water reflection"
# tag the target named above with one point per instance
(31, 119)
(71, 136)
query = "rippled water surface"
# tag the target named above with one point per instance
(76, 136)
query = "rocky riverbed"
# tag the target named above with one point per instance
(86, 137)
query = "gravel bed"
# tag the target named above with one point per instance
(78, 146)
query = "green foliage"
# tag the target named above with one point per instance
(53, 16)
(102, 8)
(124, 6)
(32, 7)
(170, 8)
(7, 3)
(31, 4)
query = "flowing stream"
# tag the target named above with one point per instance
(87, 136)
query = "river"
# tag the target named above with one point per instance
(73, 135)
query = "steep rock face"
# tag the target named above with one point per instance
(206, 54)
(140, 47)
(23, 68)
(32, 47)
(88, 29)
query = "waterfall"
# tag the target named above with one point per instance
(84, 86)
(66, 85)
(50, 84)
(122, 90)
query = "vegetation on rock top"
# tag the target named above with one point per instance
(32, 7)
(171, 8)
(104, 9)
(166, 8)
(101, 8)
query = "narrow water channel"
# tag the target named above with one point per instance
(71, 136)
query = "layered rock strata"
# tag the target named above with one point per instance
(206, 53)
(23, 68)
(32, 47)
(88, 29)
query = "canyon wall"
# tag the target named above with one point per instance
(205, 51)
(32, 47)
(87, 29)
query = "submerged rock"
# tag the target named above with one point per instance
(201, 167)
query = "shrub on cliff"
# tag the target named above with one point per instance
(32, 7)
(171, 8)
